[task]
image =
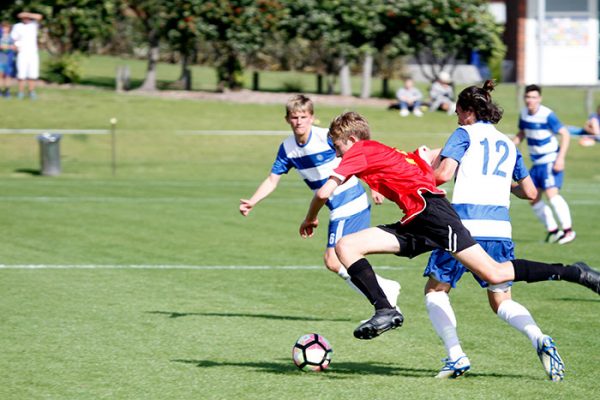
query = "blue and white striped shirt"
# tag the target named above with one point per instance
(315, 161)
(539, 130)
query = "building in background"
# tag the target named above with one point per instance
(550, 42)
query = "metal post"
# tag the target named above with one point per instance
(113, 144)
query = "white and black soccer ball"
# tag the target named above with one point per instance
(312, 352)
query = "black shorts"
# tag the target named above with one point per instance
(438, 226)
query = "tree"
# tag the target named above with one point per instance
(151, 17)
(439, 32)
(236, 29)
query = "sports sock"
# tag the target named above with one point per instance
(443, 320)
(364, 278)
(343, 272)
(519, 318)
(534, 271)
(561, 208)
(544, 214)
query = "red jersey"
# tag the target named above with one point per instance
(400, 176)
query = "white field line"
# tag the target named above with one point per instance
(172, 267)
(150, 200)
(235, 133)
(61, 131)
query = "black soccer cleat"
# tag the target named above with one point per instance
(382, 321)
(588, 277)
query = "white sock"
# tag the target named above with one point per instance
(561, 208)
(544, 214)
(443, 320)
(343, 272)
(390, 288)
(519, 318)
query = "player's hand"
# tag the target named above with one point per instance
(559, 165)
(377, 197)
(245, 207)
(307, 227)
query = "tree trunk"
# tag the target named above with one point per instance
(150, 80)
(385, 87)
(320, 83)
(365, 91)
(345, 86)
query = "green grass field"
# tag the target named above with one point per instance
(154, 287)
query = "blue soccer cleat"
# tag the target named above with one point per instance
(548, 354)
(454, 369)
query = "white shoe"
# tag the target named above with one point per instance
(391, 289)
(548, 354)
(566, 237)
(454, 369)
(417, 112)
(552, 237)
(404, 112)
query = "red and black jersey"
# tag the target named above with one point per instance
(400, 176)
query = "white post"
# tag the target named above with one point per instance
(541, 17)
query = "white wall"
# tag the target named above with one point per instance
(569, 51)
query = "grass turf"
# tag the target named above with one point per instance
(227, 333)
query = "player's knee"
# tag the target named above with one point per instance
(332, 263)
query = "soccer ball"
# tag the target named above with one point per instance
(312, 352)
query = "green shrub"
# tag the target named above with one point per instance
(65, 68)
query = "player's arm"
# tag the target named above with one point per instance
(377, 197)
(524, 189)
(30, 15)
(519, 137)
(445, 170)
(565, 140)
(264, 189)
(318, 201)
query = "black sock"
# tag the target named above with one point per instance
(362, 275)
(534, 271)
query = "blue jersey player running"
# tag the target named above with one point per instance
(538, 124)
(484, 163)
(312, 154)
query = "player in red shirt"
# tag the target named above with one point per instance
(429, 222)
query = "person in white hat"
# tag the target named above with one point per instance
(442, 94)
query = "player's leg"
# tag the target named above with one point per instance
(33, 74)
(561, 209)
(351, 250)
(517, 316)
(443, 320)
(540, 175)
(342, 227)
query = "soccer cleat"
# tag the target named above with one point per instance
(404, 112)
(548, 354)
(382, 321)
(417, 112)
(553, 236)
(566, 237)
(454, 369)
(588, 276)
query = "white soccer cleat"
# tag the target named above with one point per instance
(417, 112)
(391, 289)
(404, 112)
(566, 237)
(454, 369)
(548, 354)
(552, 237)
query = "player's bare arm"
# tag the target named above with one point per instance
(524, 189)
(264, 189)
(445, 171)
(565, 140)
(519, 137)
(319, 199)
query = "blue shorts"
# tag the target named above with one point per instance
(346, 226)
(446, 269)
(7, 64)
(544, 177)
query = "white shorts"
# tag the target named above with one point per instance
(28, 65)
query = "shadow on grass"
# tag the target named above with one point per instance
(172, 314)
(30, 171)
(579, 300)
(342, 370)
(337, 370)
